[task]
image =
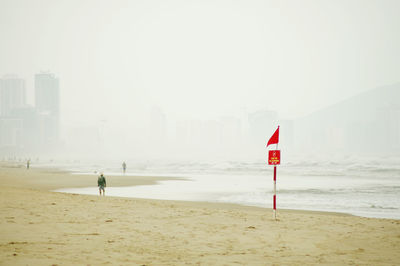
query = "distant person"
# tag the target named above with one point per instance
(101, 183)
(28, 162)
(124, 167)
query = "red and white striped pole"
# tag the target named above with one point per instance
(274, 200)
(274, 158)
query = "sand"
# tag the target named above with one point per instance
(40, 227)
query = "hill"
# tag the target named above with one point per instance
(368, 122)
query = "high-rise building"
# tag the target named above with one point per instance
(47, 99)
(12, 94)
(47, 93)
(25, 128)
(12, 98)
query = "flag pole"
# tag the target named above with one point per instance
(274, 198)
(274, 159)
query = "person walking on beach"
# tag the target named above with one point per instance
(28, 162)
(101, 183)
(124, 167)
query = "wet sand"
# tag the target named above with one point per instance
(40, 227)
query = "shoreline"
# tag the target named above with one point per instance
(222, 204)
(82, 180)
(46, 178)
(40, 227)
(78, 180)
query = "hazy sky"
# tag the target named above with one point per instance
(201, 59)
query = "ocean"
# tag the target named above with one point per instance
(363, 186)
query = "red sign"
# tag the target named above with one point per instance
(274, 157)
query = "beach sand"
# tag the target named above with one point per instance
(39, 227)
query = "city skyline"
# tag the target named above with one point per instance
(25, 128)
(39, 128)
(118, 61)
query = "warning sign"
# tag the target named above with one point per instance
(274, 157)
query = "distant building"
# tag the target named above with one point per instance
(12, 98)
(47, 102)
(10, 134)
(286, 132)
(182, 133)
(261, 126)
(30, 128)
(158, 128)
(12, 94)
(198, 137)
(47, 93)
(211, 134)
(26, 128)
(231, 132)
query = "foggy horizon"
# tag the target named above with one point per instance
(137, 75)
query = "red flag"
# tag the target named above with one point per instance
(274, 139)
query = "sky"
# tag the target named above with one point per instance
(118, 59)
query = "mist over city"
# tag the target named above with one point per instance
(198, 79)
(200, 132)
